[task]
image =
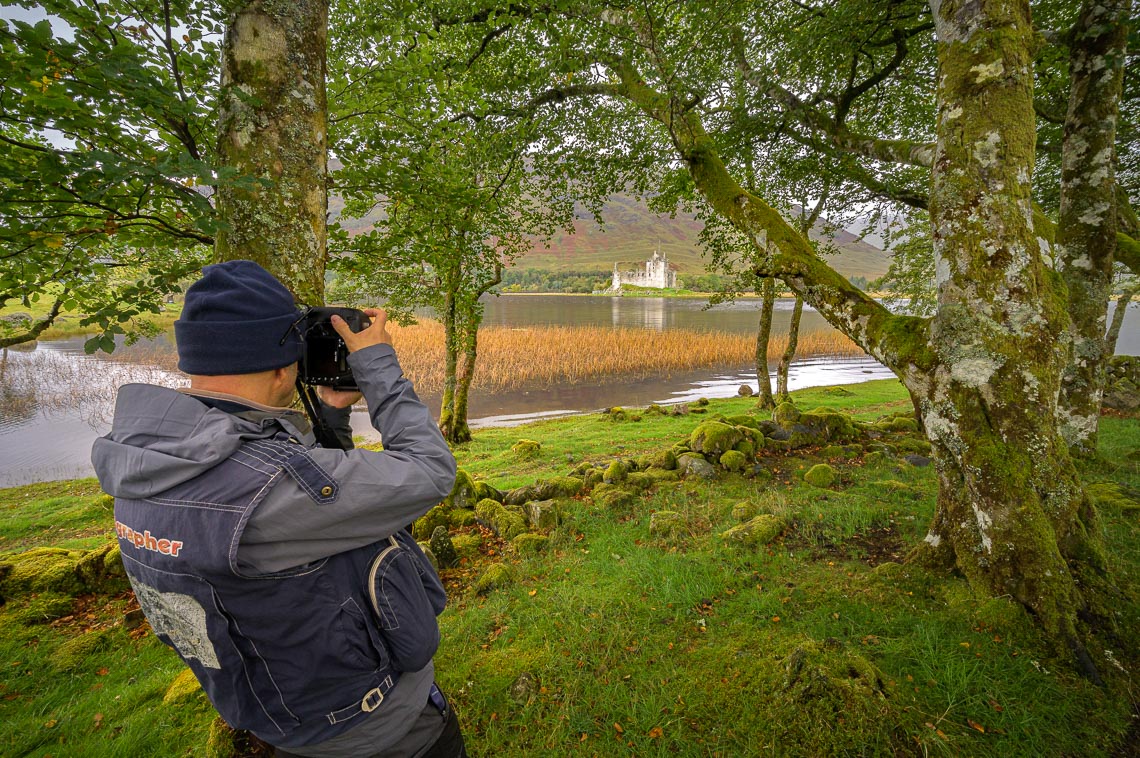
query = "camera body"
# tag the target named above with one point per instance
(324, 356)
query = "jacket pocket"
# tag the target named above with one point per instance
(402, 606)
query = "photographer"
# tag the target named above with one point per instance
(279, 570)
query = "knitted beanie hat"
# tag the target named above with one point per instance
(234, 320)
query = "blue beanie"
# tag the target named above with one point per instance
(233, 322)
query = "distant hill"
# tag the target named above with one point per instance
(631, 232)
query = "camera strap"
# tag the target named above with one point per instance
(325, 436)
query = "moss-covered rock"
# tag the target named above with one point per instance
(466, 545)
(747, 448)
(714, 438)
(529, 543)
(220, 740)
(640, 481)
(40, 608)
(42, 569)
(184, 686)
(77, 651)
(506, 523)
(786, 414)
(613, 498)
(666, 524)
(745, 511)
(831, 426)
(758, 530)
(593, 478)
(903, 424)
(526, 450)
(543, 514)
(832, 451)
(423, 527)
(916, 445)
(820, 475)
(559, 486)
(692, 464)
(827, 678)
(733, 460)
(616, 414)
(874, 459)
(616, 472)
(461, 517)
(483, 491)
(659, 475)
(446, 555)
(464, 493)
(662, 459)
(1109, 496)
(744, 419)
(495, 576)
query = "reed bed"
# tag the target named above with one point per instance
(542, 356)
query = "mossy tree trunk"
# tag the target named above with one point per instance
(789, 351)
(462, 315)
(1086, 234)
(984, 373)
(763, 335)
(273, 118)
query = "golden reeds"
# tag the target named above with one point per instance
(511, 357)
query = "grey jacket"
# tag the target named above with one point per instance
(162, 437)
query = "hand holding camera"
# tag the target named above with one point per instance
(374, 334)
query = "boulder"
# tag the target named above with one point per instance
(426, 524)
(745, 391)
(529, 543)
(691, 464)
(542, 514)
(714, 437)
(758, 530)
(445, 553)
(666, 524)
(821, 475)
(464, 493)
(495, 576)
(733, 460)
(526, 450)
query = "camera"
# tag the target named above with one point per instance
(324, 356)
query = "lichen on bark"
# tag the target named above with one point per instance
(272, 127)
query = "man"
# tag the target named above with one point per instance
(280, 571)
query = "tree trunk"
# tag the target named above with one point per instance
(789, 351)
(1086, 234)
(447, 411)
(763, 334)
(459, 430)
(1011, 509)
(272, 125)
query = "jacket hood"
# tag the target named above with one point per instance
(161, 437)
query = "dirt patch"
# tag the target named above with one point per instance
(871, 546)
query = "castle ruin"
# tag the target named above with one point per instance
(658, 274)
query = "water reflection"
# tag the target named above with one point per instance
(54, 401)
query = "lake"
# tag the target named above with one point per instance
(54, 400)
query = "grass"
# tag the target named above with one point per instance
(615, 641)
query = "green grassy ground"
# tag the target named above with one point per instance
(614, 641)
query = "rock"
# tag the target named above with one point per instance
(483, 491)
(691, 464)
(832, 451)
(495, 576)
(821, 475)
(903, 424)
(613, 498)
(425, 525)
(714, 437)
(520, 495)
(744, 511)
(524, 688)
(461, 517)
(758, 530)
(77, 651)
(702, 401)
(837, 392)
(616, 472)
(526, 450)
(429, 555)
(874, 458)
(505, 523)
(917, 460)
(559, 486)
(542, 514)
(666, 524)
(184, 686)
(466, 545)
(745, 391)
(445, 553)
(733, 460)
(529, 543)
(662, 459)
(786, 414)
(464, 493)
(830, 426)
